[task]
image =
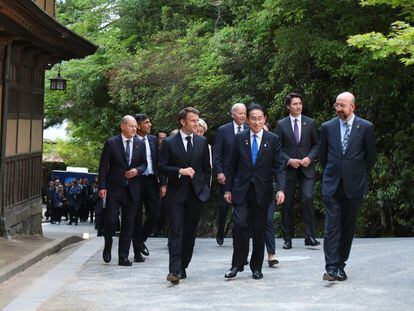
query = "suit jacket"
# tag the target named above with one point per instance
(154, 157)
(113, 165)
(307, 147)
(354, 166)
(173, 156)
(222, 147)
(268, 165)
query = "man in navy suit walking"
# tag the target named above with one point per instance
(255, 162)
(185, 160)
(123, 161)
(347, 155)
(300, 144)
(221, 158)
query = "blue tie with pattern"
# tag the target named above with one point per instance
(128, 152)
(255, 149)
(346, 138)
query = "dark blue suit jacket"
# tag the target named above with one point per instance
(354, 166)
(222, 147)
(242, 172)
(173, 156)
(307, 147)
(113, 165)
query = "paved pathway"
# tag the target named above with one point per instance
(380, 271)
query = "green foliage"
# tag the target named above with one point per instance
(160, 56)
(400, 39)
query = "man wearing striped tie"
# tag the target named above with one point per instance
(254, 164)
(347, 155)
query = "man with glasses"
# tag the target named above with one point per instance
(347, 155)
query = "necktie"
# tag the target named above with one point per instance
(255, 149)
(144, 140)
(238, 129)
(128, 152)
(346, 138)
(189, 146)
(296, 131)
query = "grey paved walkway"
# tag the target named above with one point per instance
(380, 271)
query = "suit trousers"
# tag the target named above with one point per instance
(183, 219)
(270, 230)
(148, 198)
(223, 210)
(248, 217)
(307, 187)
(340, 221)
(128, 207)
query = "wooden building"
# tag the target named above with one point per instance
(31, 41)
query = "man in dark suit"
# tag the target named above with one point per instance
(184, 159)
(255, 162)
(150, 187)
(221, 158)
(123, 161)
(347, 155)
(299, 139)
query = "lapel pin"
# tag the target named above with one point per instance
(304, 123)
(247, 142)
(357, 126)
(265, 144)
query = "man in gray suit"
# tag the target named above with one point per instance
(347, 155)
(299, 140)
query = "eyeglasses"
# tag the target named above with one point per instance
(342, 106)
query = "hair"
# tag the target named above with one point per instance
(162, 131)
(173, 132)
(141, 117)
(267, 125)
(203, 124)
(254, 106)
(126, 119)
(290, 96)
(184, 112)
(233, 108)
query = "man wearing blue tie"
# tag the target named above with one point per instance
(347, 155)
(255, 162)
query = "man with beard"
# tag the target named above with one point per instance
(347, 155)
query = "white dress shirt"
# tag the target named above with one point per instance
(236, 127)
(258, 138)
(149, 170)
(292, 123)
(131, 142)
(184, 139)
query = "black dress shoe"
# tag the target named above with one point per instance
(183, 274)
(341, 275)
(287, 244)
(139, 258)
(174, 279)
(144, 250)
(106, 255)
(257, 275)
(219, 240)
(233, 272)
(273, 262)
(124, 262)
(310, 241)
(330, 276)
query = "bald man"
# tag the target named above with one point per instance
(347, 155)
(221, 157)
(123, 161)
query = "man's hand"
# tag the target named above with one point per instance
(163, 191)
(295, 163)
(131, 173)
(280, 197)
(227, 197)
(221, 178)
(189, 171)
(102, 193)
(305, 162)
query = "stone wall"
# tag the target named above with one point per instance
(25, 218)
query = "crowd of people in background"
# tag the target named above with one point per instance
(74, 201)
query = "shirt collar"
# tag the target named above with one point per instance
(292, 119)
(124, 139)
(184, 135)
(258, 135)
(235, 126)
(141, 137)
(350, 121)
